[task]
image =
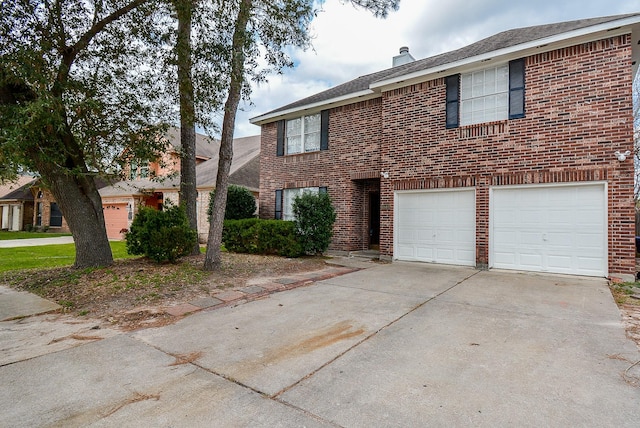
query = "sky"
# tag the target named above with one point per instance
(349, 42)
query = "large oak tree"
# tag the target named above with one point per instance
(77, 88)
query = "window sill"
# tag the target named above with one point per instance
(301, 157)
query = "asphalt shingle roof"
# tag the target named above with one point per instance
(205, 147)
(505, 39)
(245, 150)
(18, 189)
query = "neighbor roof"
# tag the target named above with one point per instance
(205, 147)
(511, 39)
(17, 190)
(245, 150)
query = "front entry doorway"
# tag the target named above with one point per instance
(374, 220)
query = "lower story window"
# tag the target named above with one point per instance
(289, 195)
(39, 214)
(55, 216)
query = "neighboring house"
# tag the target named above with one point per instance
(156, 182)
(507, 153)
(16, 204)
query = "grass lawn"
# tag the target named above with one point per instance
(48, 256)
(4, 235)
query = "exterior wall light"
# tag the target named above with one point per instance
(622, 156)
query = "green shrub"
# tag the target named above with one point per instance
(255, 236)
(161, 235)
(240, 203)
(278, 237)
(238, 235)
(314, 218)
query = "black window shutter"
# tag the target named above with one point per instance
(516, 88)
(453, 97)
(278, 215)
(324, 130)
(280, 149)
(322, 190)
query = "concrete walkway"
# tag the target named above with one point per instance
(395, 345)
(20, 304)
(33, 242)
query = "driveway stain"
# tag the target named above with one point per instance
(321, 339)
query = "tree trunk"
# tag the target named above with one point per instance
(81, 205)
(213, 257)
(188, 185)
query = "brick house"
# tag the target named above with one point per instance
(508, 153)
(155, 182)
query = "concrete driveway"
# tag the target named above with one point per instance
(397, 345)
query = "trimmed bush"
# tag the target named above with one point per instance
(239, 236)
(315, 216)
(161, 235)
(240, 203)
(255, 236)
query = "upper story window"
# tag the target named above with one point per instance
(484, 95)
(491, 94)
(138, 169)
(144, 170)
(303, 134)
(133, 170)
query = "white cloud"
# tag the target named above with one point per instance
(350, 42)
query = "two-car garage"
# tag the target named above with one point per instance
(559, 228)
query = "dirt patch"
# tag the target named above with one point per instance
(132, 293)
(627, 296)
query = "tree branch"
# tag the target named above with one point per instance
(70, 53)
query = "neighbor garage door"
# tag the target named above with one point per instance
(116, 218)
(560, 228)
(436, 226)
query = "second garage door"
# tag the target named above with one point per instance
(436, 226)
(560, 229)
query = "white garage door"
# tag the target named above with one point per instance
(559, 229)
(436, 226)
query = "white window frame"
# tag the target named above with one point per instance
(133, 170)
(305, 143)
(139, 169)
(144, 170)
(484, 95)
(289, 195)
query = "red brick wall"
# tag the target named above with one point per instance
(354, 134)
(578, 105)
